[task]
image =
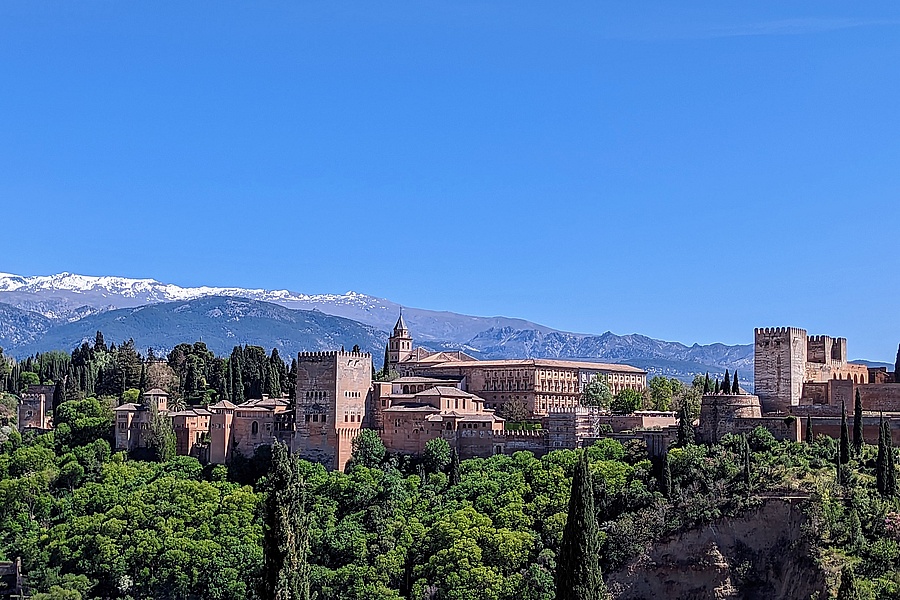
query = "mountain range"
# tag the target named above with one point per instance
(60, 311)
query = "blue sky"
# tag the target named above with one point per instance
(684, 170)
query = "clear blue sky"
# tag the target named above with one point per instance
(687, 170)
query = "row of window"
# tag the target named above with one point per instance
(350, 394)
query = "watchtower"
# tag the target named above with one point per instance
(780, 356)
(400, 343)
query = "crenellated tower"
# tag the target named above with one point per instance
(780, 357)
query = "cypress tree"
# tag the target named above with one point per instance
(858, 440)
(707, 384)
(237, 381)
(809, 430)
(454, 467)
(735, 386)
(666, 476)
(386, 366)
(845, 436)
(578, 568)
(748, 481)
(717, 389)
(890, 469)
(143, 382)
(59, 395)
(685, 427)
(881, 459)
(849, 589)
(285, 530)
(897, 367)
(726, 385)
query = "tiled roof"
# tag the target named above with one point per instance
(547, 363)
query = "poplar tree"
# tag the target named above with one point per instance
(845, 436)
(578, 568)
(735, 386)
(858, 440)
(285, 530)
(809, 430)
(726, 385)
(685, 427)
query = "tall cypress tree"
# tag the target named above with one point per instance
(845, 436)
(890, 468)
(849, 589)
(386, 366)
(454, 467)
(707, 384)
(726, 385)
(666, 476)
(735, 386)
(237, 381)
(685, 427)
(881, 459)
(809, 430)
(748, 480)
(59, 395)
(858, 440)
(897, 367)
(578, 568)
(717, 389)
(285, 530)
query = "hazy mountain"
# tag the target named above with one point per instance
(58, 311)
(220, 322)
(66, 296)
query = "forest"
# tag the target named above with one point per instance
(88, 522)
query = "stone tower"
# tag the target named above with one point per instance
(400, 343)
(332, 399)
(780, 356)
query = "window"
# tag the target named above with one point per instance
(254, 428)
(324, 417)
(315, 418)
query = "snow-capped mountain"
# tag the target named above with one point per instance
(50, 312)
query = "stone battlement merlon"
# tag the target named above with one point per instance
(779, 331)
(322, 354)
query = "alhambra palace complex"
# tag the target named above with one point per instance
(451, 395)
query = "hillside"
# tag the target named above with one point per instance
(220, 322)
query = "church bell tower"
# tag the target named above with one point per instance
(400, 342)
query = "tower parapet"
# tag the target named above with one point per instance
(780, 356)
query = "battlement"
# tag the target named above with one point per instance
(323, 354)
(770, 331)
(523, 433)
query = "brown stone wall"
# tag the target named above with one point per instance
(726, 414)
(220, 440)
(880, 397)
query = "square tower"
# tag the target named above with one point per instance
(332, 395)
(780, 355)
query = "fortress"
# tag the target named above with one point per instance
(799, 380)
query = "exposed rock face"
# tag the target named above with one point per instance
(758, 556)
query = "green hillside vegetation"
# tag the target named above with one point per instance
(92, 524)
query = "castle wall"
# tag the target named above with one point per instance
(722, 414)
(780, 366)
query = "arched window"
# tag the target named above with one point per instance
(254, 428)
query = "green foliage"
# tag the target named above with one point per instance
(597, 392)
(161, 440)
(437, 455)
(131, 396)
(858, 440)
(845, 437)
(685, 428)
(578, 570)
(368, 450)
(664, 391)
(27, 378)
(627, 401)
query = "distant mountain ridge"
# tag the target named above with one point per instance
(45, 312)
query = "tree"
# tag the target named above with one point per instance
(367, 450)
(578, 568)
(707, 384)
(885, 469)
(627, 401)
(845, 437)
(454, 467)
(849, 589)
(597, 392)
(735, 385)
(661, 392)
(99, 343)
(437, 454)
(285, 530)
(726, 384)
(513, 411)
(666, 483)
(809, 430)
(897, 366)
(386, 365)
(717, 388)
(858, 440)
(685, 427)
(161, 437)
(59, 395)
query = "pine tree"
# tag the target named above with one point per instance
(285, 530)
(454, 467)
(578, 568)
(685, 427)
(735, 386)
(99, 343)
(809, 430)
(845, 437)
(666, 483)
(858, 440)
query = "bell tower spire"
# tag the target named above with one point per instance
(400, 343)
